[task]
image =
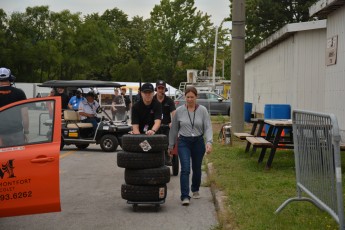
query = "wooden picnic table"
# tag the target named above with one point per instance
(274, 135)
(258, 124)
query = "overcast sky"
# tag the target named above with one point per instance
(218, 9)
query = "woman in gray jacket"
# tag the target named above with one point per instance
(191, 124)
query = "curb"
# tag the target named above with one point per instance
(219, 199)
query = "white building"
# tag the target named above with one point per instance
(288, 68)
(302, 64)
(334, 83)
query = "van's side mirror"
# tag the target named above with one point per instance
(220, 99)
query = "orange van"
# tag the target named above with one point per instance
(29, 164)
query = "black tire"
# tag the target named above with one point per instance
(175, 165)
(62, 143)
(132, 160)
(109, 143)
(153, 176)
(131, 143)
(82, 146)
(142, 193)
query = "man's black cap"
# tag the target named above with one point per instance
(147, 87)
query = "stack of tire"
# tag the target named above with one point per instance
(146, 175)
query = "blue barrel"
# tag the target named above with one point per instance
(267, 114)
(280, 111)
(267, 111)
(247, 111)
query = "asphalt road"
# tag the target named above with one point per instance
(90, 185)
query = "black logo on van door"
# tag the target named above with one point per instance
(8, 169)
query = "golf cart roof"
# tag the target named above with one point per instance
(80, 84)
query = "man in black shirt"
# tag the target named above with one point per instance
(64, 97)
(127, 101)
(146, 113)
(168, 111)
(17, 123)
(168, 105)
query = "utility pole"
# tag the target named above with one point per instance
(237, 65)
(223, 69)
(214, 59)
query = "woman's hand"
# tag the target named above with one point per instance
(170, 152)
(133, 132)
(150, 132)
(208, 148)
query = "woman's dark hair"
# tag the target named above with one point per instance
(191, 89)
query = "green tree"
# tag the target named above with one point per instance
(136, 34)
(173, 26)
(134, 49)
(41, 45)
(118, 23)
(95, 49)
(130, 71)
(23, 39)
(64, 26)
(264, 17)
(3, 37)
(203, 51)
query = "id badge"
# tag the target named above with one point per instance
(146, 127)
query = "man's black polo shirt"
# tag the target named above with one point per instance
(168, 106)
(145, 115)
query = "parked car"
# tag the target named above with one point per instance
(29, 171)
(215, 103)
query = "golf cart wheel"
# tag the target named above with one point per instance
(152, 176)
(62, 143)
(82, 146)
(134, 143)
(109, 143)
(143, 193)
(133, 160)
(175, 165)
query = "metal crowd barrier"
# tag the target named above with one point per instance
(317, 160)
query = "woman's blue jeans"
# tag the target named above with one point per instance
(190, 150)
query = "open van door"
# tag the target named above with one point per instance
(30, 133)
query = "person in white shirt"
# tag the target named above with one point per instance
(88, 110)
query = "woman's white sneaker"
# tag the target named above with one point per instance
(185, 202)
(196, 195)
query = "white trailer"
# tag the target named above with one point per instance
(31, 90)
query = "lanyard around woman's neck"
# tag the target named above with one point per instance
(190, 119)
